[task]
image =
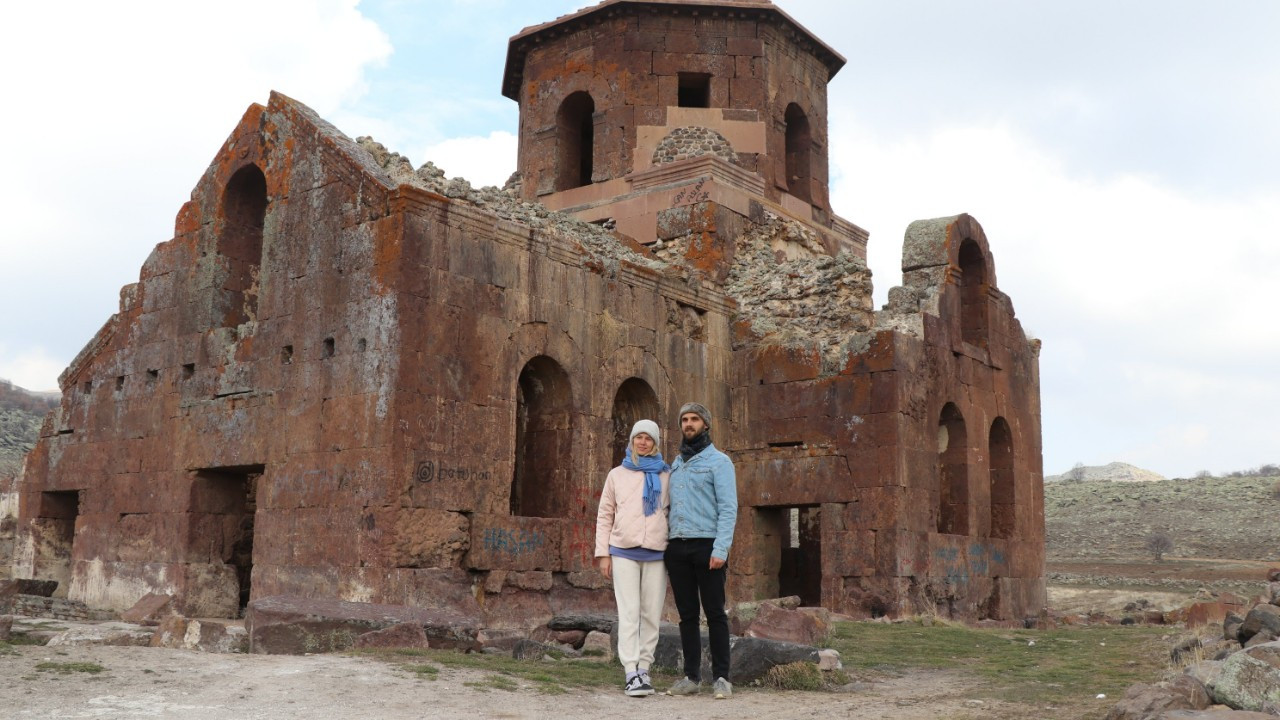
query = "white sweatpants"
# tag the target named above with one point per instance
(640, 589)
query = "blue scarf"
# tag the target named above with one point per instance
(650, 465)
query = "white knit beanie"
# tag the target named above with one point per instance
(648, 427)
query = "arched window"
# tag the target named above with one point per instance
(953, 473)
(541, 484)
(635, 401)
(575, 134)
(244, 210)
(973, 294)
(1000, 443)
(799, 151)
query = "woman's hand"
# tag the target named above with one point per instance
(605, 566)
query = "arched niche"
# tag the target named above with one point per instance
(541, 485)
(973, 294)
(575, 136)
(799, 152)
(635, 400)
(244, 210)
(953, 473)
(1003, 497)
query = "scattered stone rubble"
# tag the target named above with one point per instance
(1234, 674)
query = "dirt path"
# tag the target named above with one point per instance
(158, 683)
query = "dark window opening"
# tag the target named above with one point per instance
(362, 345)
(953, 473)
(694, 90)
(228, 498)
(286, 355)
(1003, 495)
(119, 383)
(799, 153)
(244, 207)
(87, 387)
(542, 484)
(575, 123)
(800, 570)
(634, 401)
(56, 519)
(787, 444)
(153, 376)
(973, 294)
(328, 347)
(188, 370)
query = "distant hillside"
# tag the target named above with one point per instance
(21, 412)
(1113, 472)
(1206, 517)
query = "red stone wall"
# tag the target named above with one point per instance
(629, 60)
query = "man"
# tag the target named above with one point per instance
(704, 509)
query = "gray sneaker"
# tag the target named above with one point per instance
(722, 688)
(685, 686)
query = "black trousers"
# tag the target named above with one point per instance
(687, 562)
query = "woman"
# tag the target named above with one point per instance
(631, 534)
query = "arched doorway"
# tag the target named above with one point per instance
(541, 484)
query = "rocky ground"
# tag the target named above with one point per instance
(141, 682)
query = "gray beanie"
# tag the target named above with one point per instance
(648, 427)
(694, 407)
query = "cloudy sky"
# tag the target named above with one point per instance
(1123, 157)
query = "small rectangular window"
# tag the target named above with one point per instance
(286, 355)
(695, 90)
(119, 383)
(188, 371)
(328, 347)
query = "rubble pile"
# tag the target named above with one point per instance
(602, 245)
(792, 292)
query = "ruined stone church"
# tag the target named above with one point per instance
(346, 377)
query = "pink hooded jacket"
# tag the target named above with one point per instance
(621, 521)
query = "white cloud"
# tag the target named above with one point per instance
(1155, 305)
(30, 368)
(487, 160)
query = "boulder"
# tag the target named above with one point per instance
(583, 621)
(500, 639)
(402, 635)
(572, 638)
(1262, 618)
(1273, 593)
(597, 644)
(1246, 683)
(741, 615)
(1266, 652)
(171, 632)
(213, 636)
(829, 659)
(775, 623)
(1263, 637)
(1143, 701)
(293, 625)
(150, 609)
(1206, 672)
(529, 650)
(1231, 626)
(108, 633)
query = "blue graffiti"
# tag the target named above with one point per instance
(513, 542)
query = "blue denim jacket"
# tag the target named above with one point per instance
(704, 499)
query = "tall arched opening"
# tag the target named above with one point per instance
(799, 152)
(973, 294)
(953, 473)
(244, 210)
(541, 485)
(634, 401)
(575, 135)
(1003, 499)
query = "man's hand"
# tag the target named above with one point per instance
(605, 566)
(717, 563)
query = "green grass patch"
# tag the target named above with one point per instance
(21, 638)
(70, 667)
(430, 672)
(1024, 666)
